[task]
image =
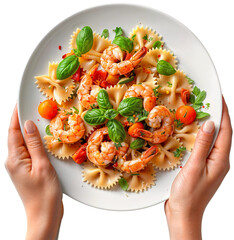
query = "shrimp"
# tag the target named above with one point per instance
(145, 92)
(75, 124)
(137, 164)
(162, 120)
(87, 93)
(112, 60)
(100, 153)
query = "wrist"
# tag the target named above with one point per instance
(43, 225)
(184, 225)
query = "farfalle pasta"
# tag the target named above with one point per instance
(120, 108)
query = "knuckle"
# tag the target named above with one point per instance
(204, 141)
(9, 165)
(34, 143)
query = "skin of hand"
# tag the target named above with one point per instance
(35, 180)
(198, 180)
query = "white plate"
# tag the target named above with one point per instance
(193, 59)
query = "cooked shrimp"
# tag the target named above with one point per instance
(145, 92)
(162, 120)
(87, 92)
(112, 60)
(75, 125)
(121, 151)
(100, 153)
(137, 164)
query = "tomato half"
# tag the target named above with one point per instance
(186, 114)
(80, 155)
(48, 109)
(135, 126)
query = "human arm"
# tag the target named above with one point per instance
(198, 180)
(35, 180)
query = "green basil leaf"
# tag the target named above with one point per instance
(179, 150)
(105, 33)
(67, 67)
(138, 143)
(190, 81)
(103, 100)
(84, 40)
(165, 68)
(196, 91)
(110, 114)
(118, 31)
(126, 80)
(157, 44)
(116, 131)
(124, 43)
(143, 115)
(95, 116)
(192, 98)
(197, 106)
(47, 130)
(201, 97)
(130, 106)
(123, 183)
(201, 115)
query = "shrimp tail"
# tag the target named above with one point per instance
(137, 57)
(150, 153)
(144, 134)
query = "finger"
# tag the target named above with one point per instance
(15, 137)
(34, 144)
(223, 141)
(202, 145)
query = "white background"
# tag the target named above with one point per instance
(23, 24)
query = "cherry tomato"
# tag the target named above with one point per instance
(76, 75)
(80, 155)
(99, 76)
(48, 109)
(186, 114)
(185, 94)
(135, 126)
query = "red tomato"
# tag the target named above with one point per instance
(48, 109)
(99, 76)
(185, 94)
(186, 114)
(80, 155)
(137, 125)
(76, 75)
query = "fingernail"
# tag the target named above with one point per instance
(208, 127)
(30, 126)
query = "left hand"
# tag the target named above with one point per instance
(35, 180)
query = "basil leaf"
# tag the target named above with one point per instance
(157, 44)
(143, 115)
(116, 131)
(138, 143)
(197, 106)
(165, 68)
(124, 43)
(95, 116)
(190, 81)
(105, 33)
(103, 100)
(47, 130)
(118, 31)
(130, 106)
(84, 40)
(192, 98)
(123, 183)
(67, 67)
(126, 80)
(178, 151)
(201, 115)
(196, 91)
(201, 97)
(110, 114)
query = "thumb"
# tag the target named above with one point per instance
(34, 143)
(202, 144)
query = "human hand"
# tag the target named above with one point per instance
(35, 180)
(198, 180)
